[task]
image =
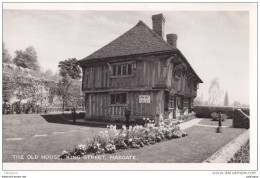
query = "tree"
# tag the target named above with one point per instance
(70, 67)
(53, 90)
(63, 89)
(69, 71)
(5, 55)
(214, 91)
(49, 72)
(226, 99)
(198, 101)
(27, 58)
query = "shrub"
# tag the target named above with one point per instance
(215, 116)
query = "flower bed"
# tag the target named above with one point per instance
(132, 138)
(243, 154)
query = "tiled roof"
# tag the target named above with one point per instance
(138, 40)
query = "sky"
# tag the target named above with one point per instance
(216, 43)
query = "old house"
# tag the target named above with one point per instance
(141, 69)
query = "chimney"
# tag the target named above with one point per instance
(172, 39)
(158, 24)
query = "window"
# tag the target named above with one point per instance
(129, 67)
(123, 69)
(114, 70)
(118, 98)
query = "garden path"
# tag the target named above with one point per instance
(189, 124)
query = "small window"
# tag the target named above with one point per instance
(119, 98)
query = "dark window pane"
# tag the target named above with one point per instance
(119, 70)
(124, 69)
(113, 99)
(114, 70)
(118, 99)
(129, 68)
(123, 98)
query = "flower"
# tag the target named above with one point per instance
(144, 118)
(124, 127)
(65, 152)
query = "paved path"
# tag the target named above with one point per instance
(189, 124)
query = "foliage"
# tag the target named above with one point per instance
(27, 59)
(69, 71)
(241, 119)
(69, 67)
(49, 72)
(53, 91)
(63, 89)
(214, 91)
(8, 87)
(22, 108)
(243, 154)
(226, 103)
(206, 111)
(215, 116)
(6, 57)
(135, 137)
(7, 108)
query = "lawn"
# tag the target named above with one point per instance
(27, 126)
(208, 121)
(197, 146)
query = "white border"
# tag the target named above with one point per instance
(251, 7)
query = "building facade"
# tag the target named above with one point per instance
(142, 70)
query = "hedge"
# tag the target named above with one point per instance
(206, 111)
(241, 120)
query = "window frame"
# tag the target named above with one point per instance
(121, 98)
(122, 65)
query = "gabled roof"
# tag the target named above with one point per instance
(138, 40)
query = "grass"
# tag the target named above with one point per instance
(197, 146)
(227, 122)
